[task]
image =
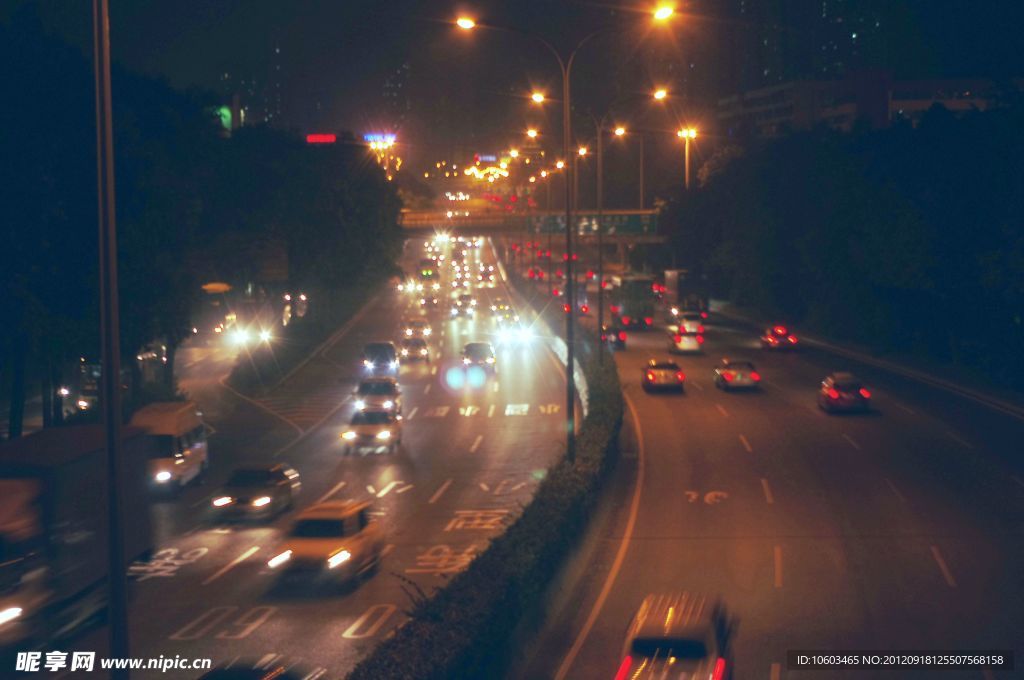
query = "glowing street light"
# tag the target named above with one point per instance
(532, 179)
(465, 23)
(513, 153)
(582, 151)
(531, 133)
(660, 93)
(560, 164)
(663, 12)
(543, 173)
(619, 131)
(537, 97)
(687, 133)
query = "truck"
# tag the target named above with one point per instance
(631, 300)
(54, 529)
(686, 291)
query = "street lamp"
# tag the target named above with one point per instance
(582, 151)
(619, 131)
(465, 23)
(537, 97)
(513, 153)
(663, 12)
(660, 93)
(686, 134)
(532, 134)
(560, 164)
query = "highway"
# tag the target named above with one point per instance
(898, 529)
(470, 458)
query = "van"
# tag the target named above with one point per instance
(180, 455)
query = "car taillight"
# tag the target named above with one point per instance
(650, 376)
(779, 330)
(615, 309)
(728, 376)
(566, 308)
(648, 320)
(625, 320)
(864, 393)
(603, 337)
(833, 393)
(555, 292)
(680, 376)
(719, 672)
(755, 376)
(622, 336)
(703, 315)
(677, 338)
(584, 308)
(624, 668)
(700, 328)
(792, 340)
(700, 339)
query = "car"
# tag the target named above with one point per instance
(689, 322)
(843, 392)
(380, 358)
(674, 313)
(374, 430)
(414, 349)
(256, 491)
(378, 394)
(479, 354)
(337, 540)
(663, 375)
(778, 337)
(678, 635)
(429, 301)
(614, 335)
(731, 374)
(418, 328)
(686, 342)
(464, 305)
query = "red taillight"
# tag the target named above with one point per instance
(700, 339)
(530, 274)
(719, 672)
(700, 328)
(650, 376)
(566, 308)
(584, 309)
(603, 337)
(615, 309)
(779, 330)
(555, 292)
(604, 284)
(864, 393)
(625, 320)
(649, 320)
(622, 336)
(833, 393)
(703, 315)
(679, 376)
(624, 668)
(677, 338)
(792, 340)
(755, 376)
(729, 376)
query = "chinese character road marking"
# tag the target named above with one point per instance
(441, 559)
(437, 412)
(517, 409)
(549, 409)
(485, 520)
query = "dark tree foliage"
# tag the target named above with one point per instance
(904, 240)
(186, 194)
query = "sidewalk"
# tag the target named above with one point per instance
(994, 397)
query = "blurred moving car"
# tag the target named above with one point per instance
(733, 374)
(843, 392)
(479, 354)
(778, 337)
(414, 349)
(429, 301)
(464, 305)
(686, 342)
(615, 335)
(380, 358)
(663, 375)
(374, 430)
(378, 394)
(337, 540)
(182, 454)
(678, 635)
(690, 322)
(257, 491)
(418, 328)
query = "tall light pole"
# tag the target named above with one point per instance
(565, 66)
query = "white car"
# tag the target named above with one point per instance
(378, 394)
(374, 430)
(418, 328)
(686, 342)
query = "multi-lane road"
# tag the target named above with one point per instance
(470, 458)
(900, 529)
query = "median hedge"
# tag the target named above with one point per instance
(464, 630)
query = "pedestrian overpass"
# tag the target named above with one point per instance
(620, 226)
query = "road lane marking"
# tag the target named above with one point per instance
(767, 492)
(476, 443)
(960, 441)
(721, 409)
(426, 390)
(490, 411)
(620, 555)
(433, 370)
(412, 412)
(852, 443)
(384, 492)
(905, 408)
(335, 489)
(258, 405)
(232, 564)
(404, 488)
(496, 388)
(778, 566)
(895, 490)
(946, 573)
(385, 611)
(696, 384)
(386, 550)
(440, 492)
(776, 672)
(746, 444)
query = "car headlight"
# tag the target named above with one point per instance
(426, 331)
(265, 335)
(162, 476)
(348, 435)
(83, 404)
(338, 558)
(222, 501)
(394, 364)
(277, 560)
(490, 360)
(405, 352)
(465, 360)
(261, 501)
(423, 352)
(367, 363)
(388, 403)
(384, 434)
(408, 331)
(360, 404)
(9, 614)
(454, 311)
(437, 286)
(240, 336)
(675, 311)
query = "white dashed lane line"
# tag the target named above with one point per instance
(768, 497)
(746, 444)
(943, 567)
(721, 409)
(412, 413)
(476, 443)
(962, 442)
(440, 492)
(232, 564)
(896, 491)
(852, 443)
(778, 566)
(335, 489)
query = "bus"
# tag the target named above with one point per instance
(631, 300)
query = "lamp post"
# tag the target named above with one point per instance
(565, 67)
(686, 134)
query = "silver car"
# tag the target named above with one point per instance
(663, 375)
(686, 343)
(731, 374)
(378, 394)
